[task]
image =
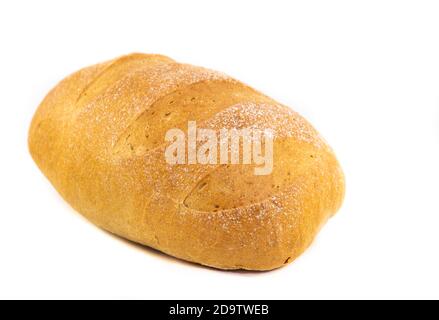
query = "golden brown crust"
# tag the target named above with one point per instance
(99, 138)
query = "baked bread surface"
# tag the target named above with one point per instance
(98, 136)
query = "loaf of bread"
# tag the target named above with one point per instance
(100, 138)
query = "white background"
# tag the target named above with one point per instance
(365, 73)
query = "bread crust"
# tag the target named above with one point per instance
(98, 136)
